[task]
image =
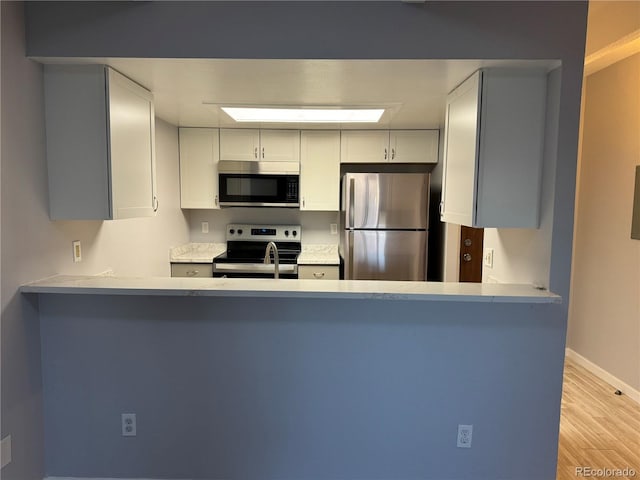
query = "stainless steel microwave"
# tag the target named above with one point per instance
(258, 184)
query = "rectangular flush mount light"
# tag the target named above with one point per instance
(304, 115)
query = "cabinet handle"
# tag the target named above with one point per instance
(156, 203)
(216, 200)
(255, 152)
(262, 152)
(385, 153)
(318, 274)
(393, 153)
(192, 273)
(303, 202)
(441, 207)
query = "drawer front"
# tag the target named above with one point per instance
(192, 270)
(319, 272)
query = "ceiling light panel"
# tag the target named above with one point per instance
(304, 115)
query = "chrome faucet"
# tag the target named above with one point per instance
(276, 258)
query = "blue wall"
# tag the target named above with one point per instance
(307, 389)
(511, 30)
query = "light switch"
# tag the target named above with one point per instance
(205, 227)
(77, 251)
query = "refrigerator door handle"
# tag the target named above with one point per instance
(352, 197)
(351, 273)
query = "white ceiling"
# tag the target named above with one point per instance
(414, 91)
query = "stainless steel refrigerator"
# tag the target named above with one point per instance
(385, 218)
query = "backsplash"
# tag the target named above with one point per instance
(316, 226)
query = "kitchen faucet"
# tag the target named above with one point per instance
(276, 258)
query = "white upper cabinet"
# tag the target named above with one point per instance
(239, 144)
(320, 170)
(100, 129)
(364, 146)
(389, 146)
(199, 154)
(493, 149)
(413, 146)
(259, 145)
(280, 145)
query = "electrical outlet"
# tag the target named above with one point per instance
(77, 251)
(488, 257)
(465, 433)
(205, 227)
(129, 425)
(334, 228)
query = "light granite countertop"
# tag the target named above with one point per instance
(196, 252)
(319, 255)
(283, 288)
(206, 252)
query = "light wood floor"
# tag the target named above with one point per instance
(597, 428)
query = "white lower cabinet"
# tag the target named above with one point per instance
(318, 272)
(320, 170)
(199, 155)
(192, 270)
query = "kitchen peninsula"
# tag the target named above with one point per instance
(289, 288)
(349, 379)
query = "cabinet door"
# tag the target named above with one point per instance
(318, 272)
(280, 145)
(132, 148)
(192, 270)
(199, 154)
(320, 170)
(364, 146)
(460, 153)
(239, 144)
(414, 146)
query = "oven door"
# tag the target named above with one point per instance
(258, 190)
(253, 270)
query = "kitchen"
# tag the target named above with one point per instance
(244, 162)
(535, 349)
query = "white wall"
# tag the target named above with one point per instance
(33, 247)
(524, 255)
(604, 320)
(315, 225)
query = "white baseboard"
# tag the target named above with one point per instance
(599, 372)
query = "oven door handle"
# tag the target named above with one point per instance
(254, 268)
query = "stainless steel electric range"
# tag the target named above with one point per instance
(247, 255)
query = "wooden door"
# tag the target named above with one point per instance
(471, 245)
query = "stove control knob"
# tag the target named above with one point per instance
(295, 233)
(232, 231)
(240, 232)
(286, 233)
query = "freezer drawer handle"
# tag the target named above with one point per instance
(192, 273)
(318, 274)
